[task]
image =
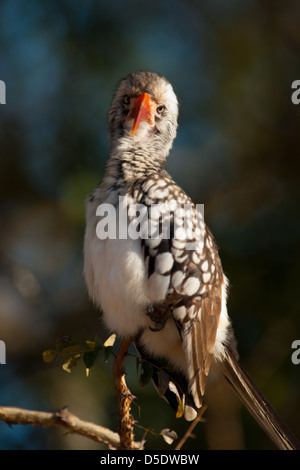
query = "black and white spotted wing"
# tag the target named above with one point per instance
(184, 270)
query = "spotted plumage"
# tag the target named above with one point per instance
(139, 278)
(158, 277)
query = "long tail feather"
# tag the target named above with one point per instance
(257, 404)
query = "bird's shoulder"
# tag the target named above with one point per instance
(156, 188)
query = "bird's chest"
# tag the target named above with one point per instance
(116, 276)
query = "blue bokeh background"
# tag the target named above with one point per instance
(232, 65)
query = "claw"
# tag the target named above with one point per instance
(158, 316)
(161, 327)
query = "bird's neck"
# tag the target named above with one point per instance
(130, 161)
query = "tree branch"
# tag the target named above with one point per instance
(67, 420)
(125, 398)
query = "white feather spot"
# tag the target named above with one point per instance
(179, 313)
(164, 262)
(161, 183)
(202, 290)
(206, 277)
(204, 265)
(193, 312)
(177, 278)
(180, 234)
(181, 258)
(157, 287)
(153, 243)
(173, 204)
(152, 252)
(152, 192)
(154, 212)
(178, 222)
(147, 185)
(195, 258)
(208, 243)
(191, 285)
(178, 244)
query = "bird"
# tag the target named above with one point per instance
(152, 265)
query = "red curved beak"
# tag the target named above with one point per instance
(144, 110)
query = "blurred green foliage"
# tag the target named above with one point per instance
(237, 151)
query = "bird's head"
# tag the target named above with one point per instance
(144, 112)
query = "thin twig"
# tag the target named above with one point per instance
(65, 419)
(191, 428)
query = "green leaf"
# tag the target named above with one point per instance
(108, 346)
(163, 382)
(91, 344)
(110, 341)
(71, 350)
(174, 389)
(49, 355)
(146, 374)
(97, 344)
(65, 342)
(71, 362)
(107, 353)
(89, 358)
(180, 408)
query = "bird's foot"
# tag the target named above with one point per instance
(158, 315)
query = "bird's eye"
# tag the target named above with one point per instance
(126, 99)
(160, 109)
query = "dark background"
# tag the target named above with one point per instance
(232, 65)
